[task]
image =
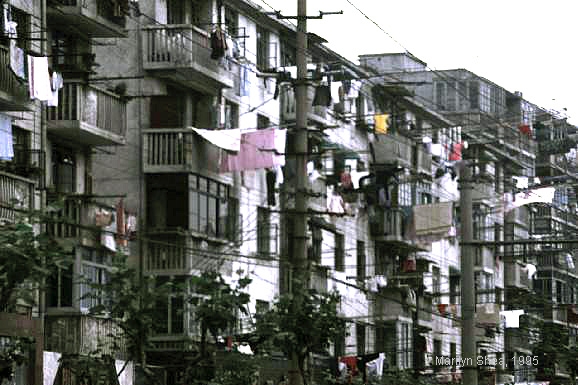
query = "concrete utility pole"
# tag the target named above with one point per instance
(470, 371)
(300, 276)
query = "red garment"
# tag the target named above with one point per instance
(346, 180)
(456, 153)
(120, 225)
(525, 129)
(351, 362)
(442, 308)
(409, 265)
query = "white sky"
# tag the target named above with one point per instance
(521, 45)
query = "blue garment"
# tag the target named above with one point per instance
(245, 83)
(6, 143)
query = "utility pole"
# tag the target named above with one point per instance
(300, 276)
(470, 372)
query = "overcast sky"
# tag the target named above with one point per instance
(521, 45)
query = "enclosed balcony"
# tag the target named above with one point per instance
(392, 150)
(288, 105)
(182, 53)
(423, 162)
(388, 224)
(178, 150)
(517, 276)
(94, 18)
(82, 334)
(88, 115)
(174, 253)
(16, 196)
(14, 94)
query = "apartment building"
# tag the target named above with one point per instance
(510, 141)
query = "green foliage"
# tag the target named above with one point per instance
(27, 258)
(236, 368)
(216, 303)
(132, 305)
(300, 325)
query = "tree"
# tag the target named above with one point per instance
(27, 258)
(300, 330)
(133, 305)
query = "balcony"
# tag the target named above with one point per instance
(423, 162)
(392, 150)
(94, 18)
(82, 334)
(182, 53)
(518, 340)
(287, 101)
(88, 115)
(175, 253)
(16, 194)
(77, 217)
(14, 95)
(388, 225)
(517, 276)
(178, 150)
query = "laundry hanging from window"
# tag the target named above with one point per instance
(260, 149)
(322, 96)
(218, 44)
(6, 140)
(381, 123)
(39, 78)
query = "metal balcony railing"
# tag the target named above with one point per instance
(16, 194)
(13, 88)
(93, 106)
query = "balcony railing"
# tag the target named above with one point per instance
(388, 224)
(392, 150)
(288, 106)
(423, 162)
(95, 18)
(175, 252)
(81, 334)
(14, 94)
(88, 114)
(178, 150)
(517, 276)
(186, 47)
(16, 194)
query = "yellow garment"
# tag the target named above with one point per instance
(381, 123)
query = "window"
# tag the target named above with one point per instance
(167, 111)
(261, 307)
(22, 20)
(287, 54)
(361, 265)
(316, 244)
(404, 194)
(453, 355)
(263, 231)
(175, 12)
(455, 294)
(94, 270)
(474, 95)
(262, 48)
(437, 347)
(214, 212)
(440, 89)
(339, 252)
(360, 338)
(63, 171)
(436, 283)
(231, 115)
(170, 311)
(263, 121)
(60, 288)
(405, 350)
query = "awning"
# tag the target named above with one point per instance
(339, 149)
